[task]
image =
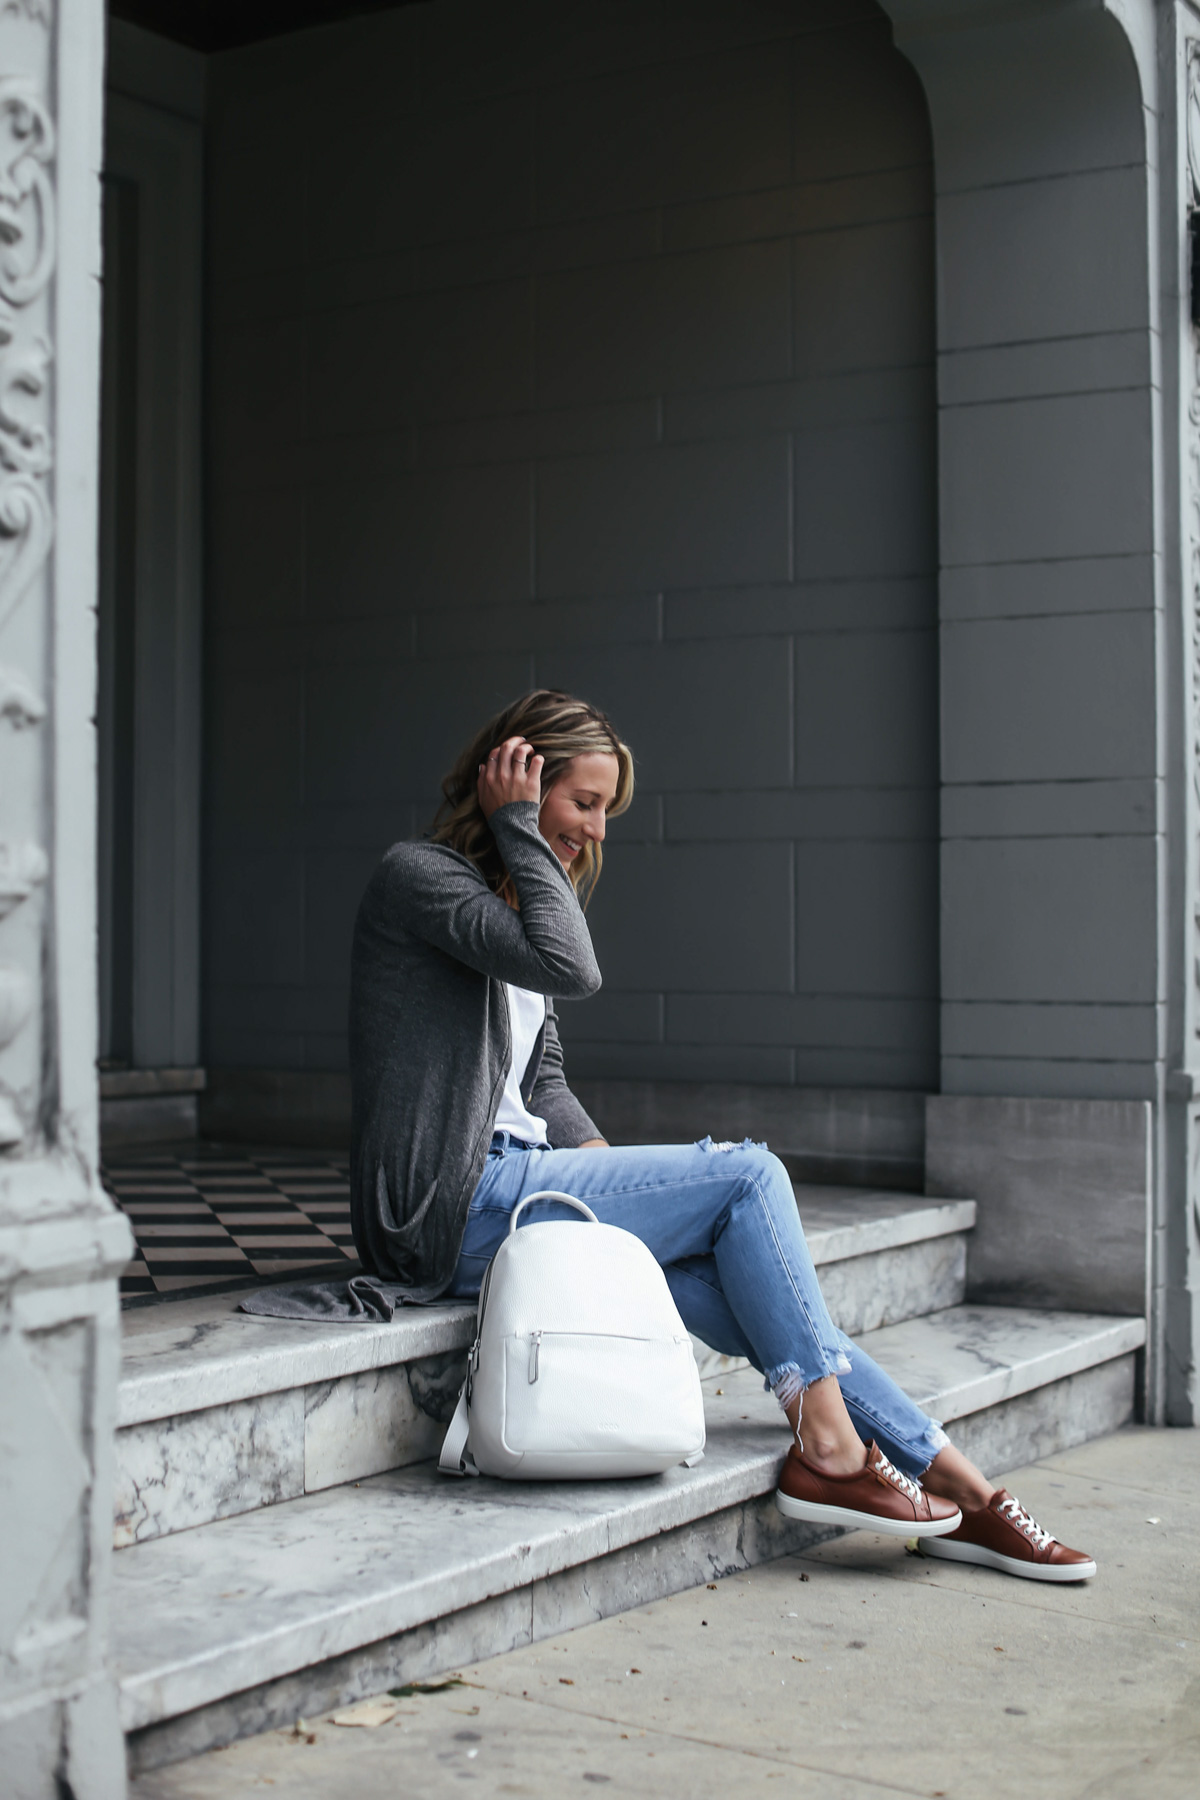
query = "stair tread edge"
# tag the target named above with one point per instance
(226, 1361)
(154, 1689)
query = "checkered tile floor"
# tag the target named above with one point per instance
(217, 1215)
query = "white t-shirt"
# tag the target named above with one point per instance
(526, 1016)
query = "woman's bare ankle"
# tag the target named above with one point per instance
(833, 1456)
(827, 1439)
(951, 1476)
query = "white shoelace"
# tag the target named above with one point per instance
(891, 1473)
(1025, 1523)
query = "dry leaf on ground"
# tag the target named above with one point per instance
(368, 1713)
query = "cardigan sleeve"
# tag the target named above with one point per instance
(440, 896)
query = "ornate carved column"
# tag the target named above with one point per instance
(61, 1242)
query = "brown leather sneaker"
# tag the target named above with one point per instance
(877, 1498)
(1001, 1535)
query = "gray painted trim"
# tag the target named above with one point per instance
(126, 1084)
(842, 1135)
(1175, 1230)
(157, 1119)
(849, 1136)
(161, 153)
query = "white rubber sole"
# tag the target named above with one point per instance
(1011, 1565)
(853, 1520)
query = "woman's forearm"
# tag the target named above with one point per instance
(550, 917)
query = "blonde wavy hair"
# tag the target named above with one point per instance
(560, 728)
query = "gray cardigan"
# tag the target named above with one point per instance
(430, 1044)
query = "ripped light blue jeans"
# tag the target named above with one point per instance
(722, 1221)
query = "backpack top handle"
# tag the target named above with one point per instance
(549, 1194)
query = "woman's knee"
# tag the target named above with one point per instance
(762, 1173)
(746, 1155)
(771, 1174)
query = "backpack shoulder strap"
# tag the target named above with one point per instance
(455, 1458)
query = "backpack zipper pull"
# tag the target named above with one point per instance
(535, 1344)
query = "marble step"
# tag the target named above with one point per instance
(248, 1622)
(221, 1412)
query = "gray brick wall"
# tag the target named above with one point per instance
(588, 345)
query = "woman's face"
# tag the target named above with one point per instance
(573, 811)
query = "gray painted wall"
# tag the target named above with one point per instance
(154, 153)
(586, 345)
(1052, 727)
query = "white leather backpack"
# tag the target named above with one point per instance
(581, 1365)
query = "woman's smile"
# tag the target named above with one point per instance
(574, 808)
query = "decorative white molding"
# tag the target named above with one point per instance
(1192, 478)
(19, 704)
(26, 192)
(61, 1241)
(27, 246)
(26, 529)
(24, 443)
(27, 252)
(46, 1501)
(23, 867)
(1193, 120)
(11, 1131)
(16, 1002)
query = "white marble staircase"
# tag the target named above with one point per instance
(285, 1543)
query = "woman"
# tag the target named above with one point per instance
(461, 1107)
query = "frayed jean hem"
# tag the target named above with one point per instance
(788, 1381)
(913, 1455)
(912, 1451)
(726, 1145)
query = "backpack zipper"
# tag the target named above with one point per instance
(535, 1346)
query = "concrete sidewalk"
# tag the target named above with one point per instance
(850, 1673)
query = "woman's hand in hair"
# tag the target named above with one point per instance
(513, 771)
